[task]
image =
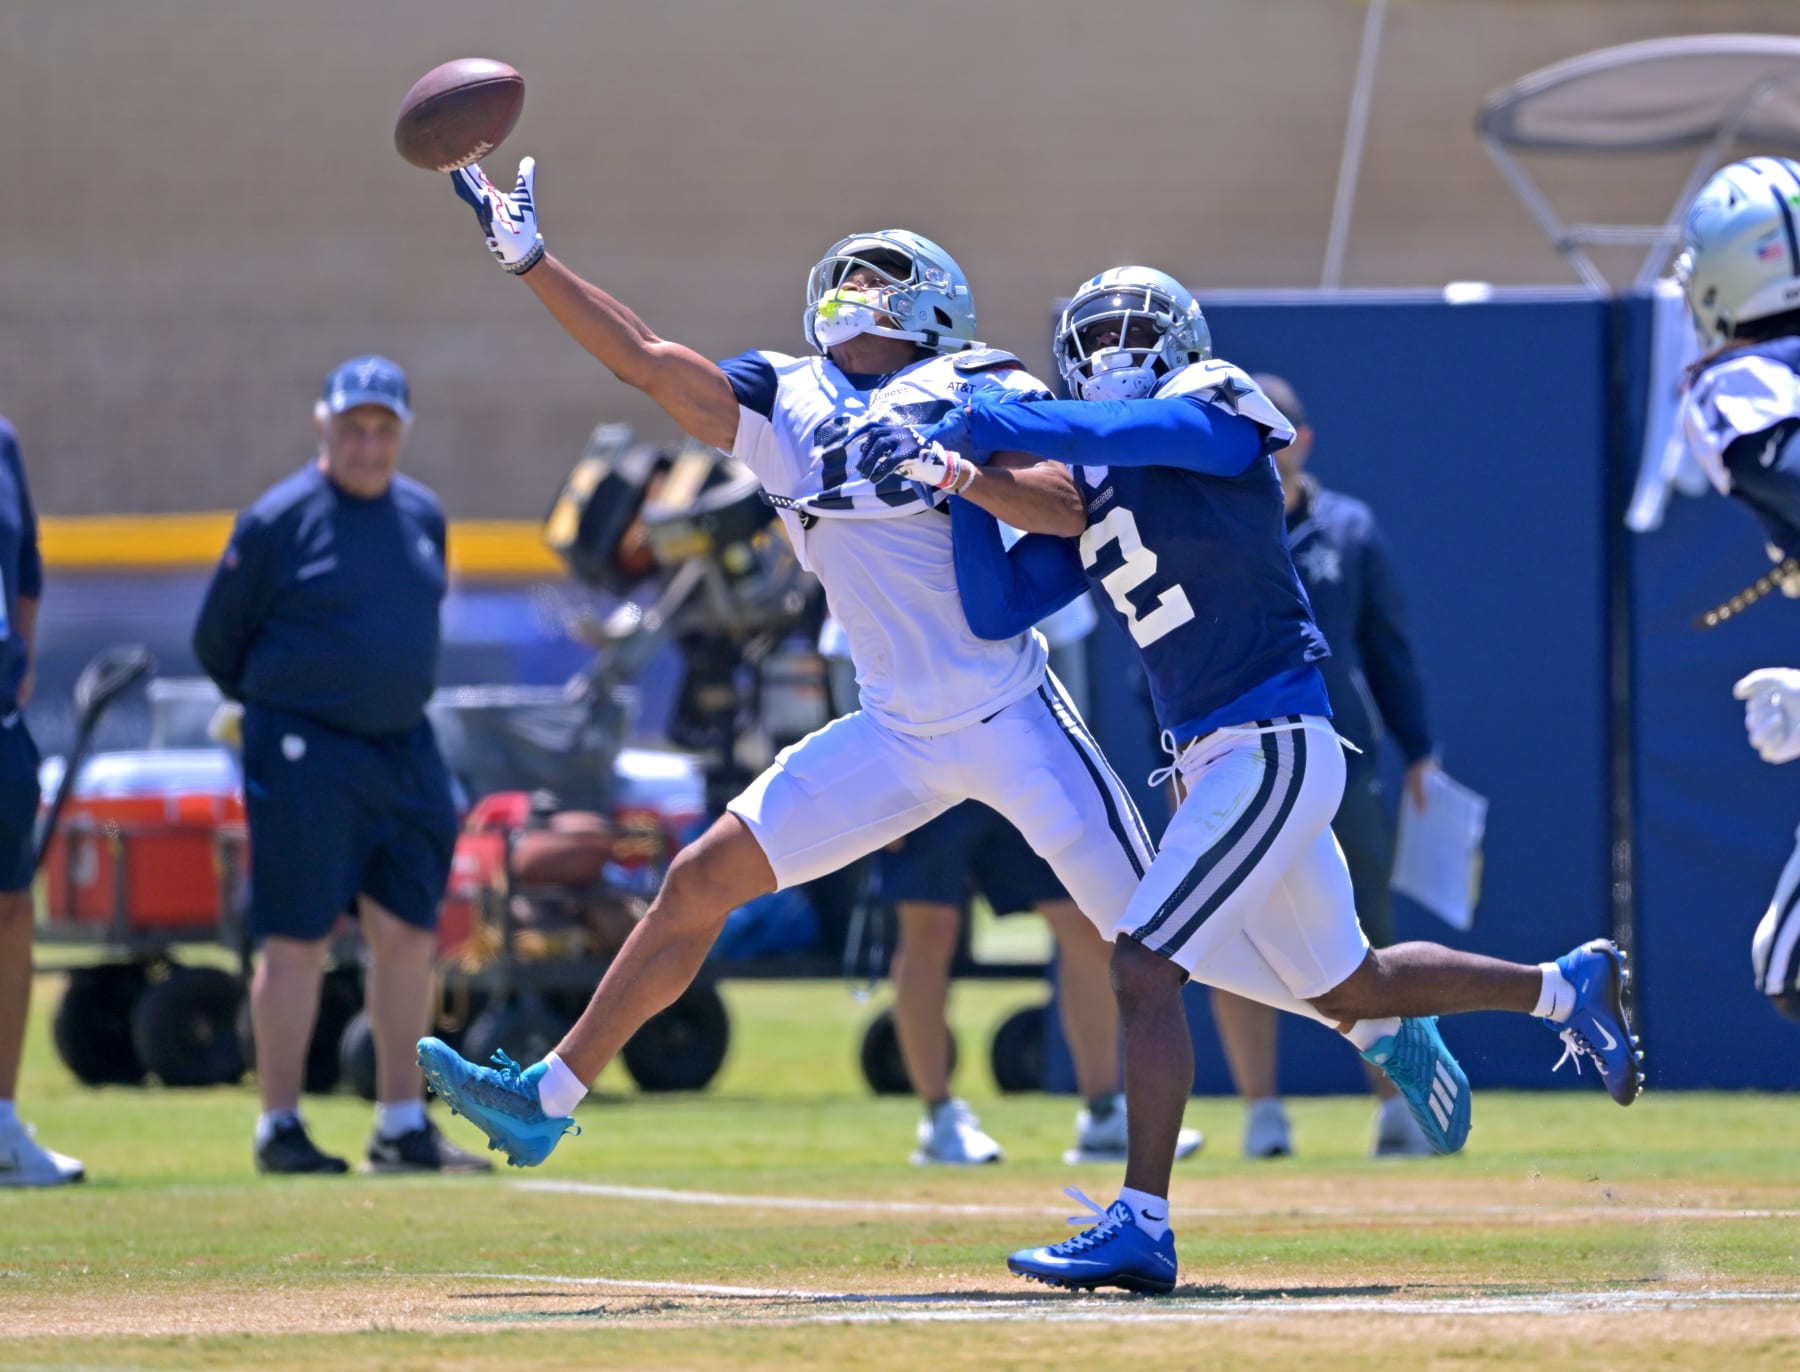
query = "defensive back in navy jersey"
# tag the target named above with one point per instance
(1195, 565)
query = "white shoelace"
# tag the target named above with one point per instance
(1574, 1049)
(1096, 1212)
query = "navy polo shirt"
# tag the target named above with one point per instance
(20, 565)
(326, 604)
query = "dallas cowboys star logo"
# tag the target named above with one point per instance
(1321, 563)
(1228, 393)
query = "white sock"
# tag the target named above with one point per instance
(403, 1117)
(1366, 1033)
(1150, 1212)
(271, 1120)
(559, 1089)
(1556, 1001)
(9, 1114)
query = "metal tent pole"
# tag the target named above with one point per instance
(1350, 164)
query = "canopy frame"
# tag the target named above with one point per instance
(1506, 126)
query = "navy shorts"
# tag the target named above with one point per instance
(966, 849)
(18, 801)
(333, 816)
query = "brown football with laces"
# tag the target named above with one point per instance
(458, 113)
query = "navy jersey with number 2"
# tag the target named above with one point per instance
(1186, 544)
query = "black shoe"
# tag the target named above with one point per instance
(290, 1150)
(421, 1150)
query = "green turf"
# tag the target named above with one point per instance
(1554, 1194)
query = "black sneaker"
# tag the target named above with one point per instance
(290, 1150)
(421, 1150)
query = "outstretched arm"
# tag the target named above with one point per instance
(1004, 593)
(690, 387)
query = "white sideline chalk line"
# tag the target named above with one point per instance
(670, 1196)
(1047, 1306)
(684, 1288)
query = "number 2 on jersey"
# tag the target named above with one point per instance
(1166, 612)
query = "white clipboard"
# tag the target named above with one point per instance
(1437, 860)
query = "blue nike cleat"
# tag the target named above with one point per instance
(1597, 1027)
(1113, 1252)
(502, 1104)
(1429, 1079)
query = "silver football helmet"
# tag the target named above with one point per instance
(1125, 330)
(923, 295)
(1740, 258)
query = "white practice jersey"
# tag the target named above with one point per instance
(883, 552)
(1741, 393)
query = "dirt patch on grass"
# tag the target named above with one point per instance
(1327, 1312)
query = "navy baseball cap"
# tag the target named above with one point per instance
(371, 380)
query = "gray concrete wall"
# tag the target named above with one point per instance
(204, 209)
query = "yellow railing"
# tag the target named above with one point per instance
(478, 547)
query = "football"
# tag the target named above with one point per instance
(458, 112)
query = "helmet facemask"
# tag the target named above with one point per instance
(905, 294)
(1117, 340)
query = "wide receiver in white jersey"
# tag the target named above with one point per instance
(946, 715)
(1740, 270)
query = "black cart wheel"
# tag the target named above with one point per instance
(184, 1028)
(682, 1048)
(356, 1055)
(525, 1028)
(1017, 1054)
(340, 999)
(92, 1027)
(883, 1065)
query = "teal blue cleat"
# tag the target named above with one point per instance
(502, 1103)
(1113, 1251)
(1429, 1079)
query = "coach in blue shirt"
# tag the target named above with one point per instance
(1373, 677)
(23, 1161)
(322, 619)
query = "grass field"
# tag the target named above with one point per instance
(774, 1222)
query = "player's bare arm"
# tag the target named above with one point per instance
(689, 387)
(1034, 495)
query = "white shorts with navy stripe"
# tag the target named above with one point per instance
(855, 786)
(1775, 950)
(1250, 851)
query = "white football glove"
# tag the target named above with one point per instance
(896, 450)
(509, 221)
(1771, 697)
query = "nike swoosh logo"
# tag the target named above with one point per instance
(1154, 1219)
(1611, 1043)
